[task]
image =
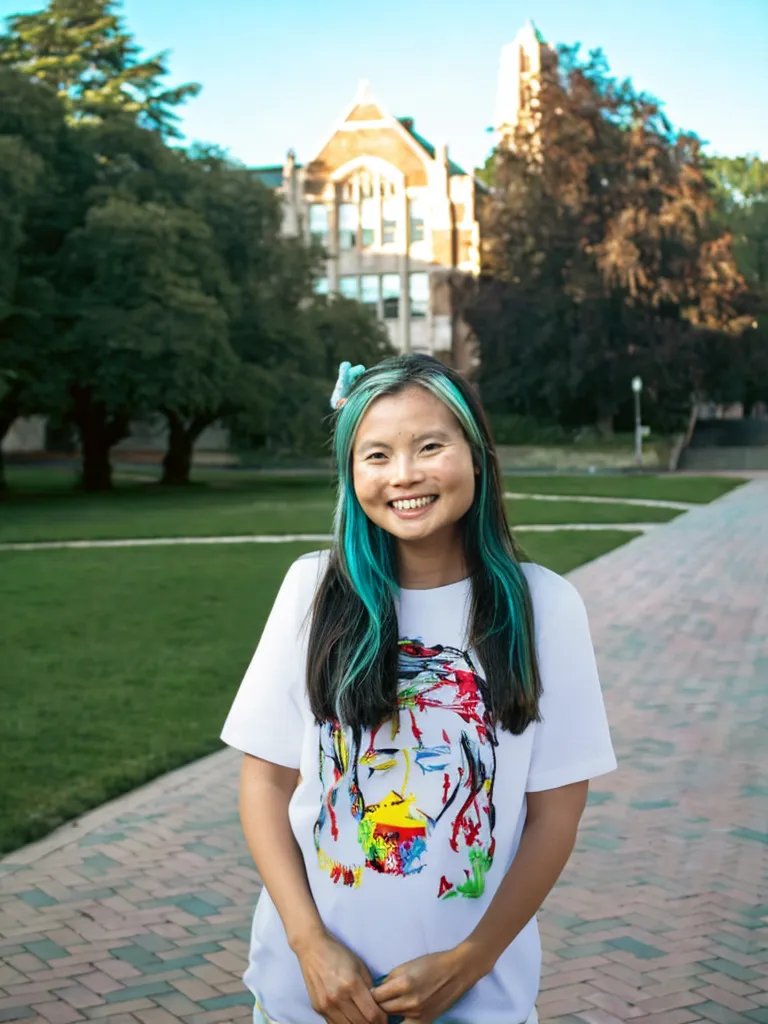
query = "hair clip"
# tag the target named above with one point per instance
(348, 374)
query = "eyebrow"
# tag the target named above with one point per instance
(437, 435)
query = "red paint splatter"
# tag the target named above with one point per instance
(471, 832)
(445, 886)
(417, 733)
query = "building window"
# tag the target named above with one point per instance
(368, 212)
(318, 222)
(389, 221)
(417, 220)
(369, 289)
(419, 295)
(321, 286)
(347, 226)
(390, 293)
(349, 287)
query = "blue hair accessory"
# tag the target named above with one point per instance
(348, 374)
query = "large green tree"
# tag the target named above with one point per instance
(741, 208)
(139, 280)
(599, 256)
(82, 51)
(289, 340)
(38, 164)
(146, 328)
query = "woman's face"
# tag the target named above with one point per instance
(412, 466)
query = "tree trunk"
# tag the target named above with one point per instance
(605, 425)
(177, 461)
(9, 410)
(97, 469)
(98, 432)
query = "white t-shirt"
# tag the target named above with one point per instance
(407, 836)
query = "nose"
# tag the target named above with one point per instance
(404, 471)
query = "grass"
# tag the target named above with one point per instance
(43, 506)
(119, 665)
(122, 664)
(664, 487)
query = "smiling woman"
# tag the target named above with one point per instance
(420, 722)
(417, 482)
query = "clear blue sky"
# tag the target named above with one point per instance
(277, 74)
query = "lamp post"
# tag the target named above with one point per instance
(637, 387)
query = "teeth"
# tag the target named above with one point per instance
(409, 503)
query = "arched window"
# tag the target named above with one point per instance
(368, 216)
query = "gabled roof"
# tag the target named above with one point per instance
(272, 177)
(429, 149)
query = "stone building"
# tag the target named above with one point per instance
(397, 218)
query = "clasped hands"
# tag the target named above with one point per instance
(342, 990)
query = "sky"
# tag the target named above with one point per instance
(278, 74)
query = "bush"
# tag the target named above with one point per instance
(513, 429)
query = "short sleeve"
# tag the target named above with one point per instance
(572, 742)
(266, 719)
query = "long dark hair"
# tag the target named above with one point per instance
(352, 655)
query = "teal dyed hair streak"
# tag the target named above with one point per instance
(348, 678)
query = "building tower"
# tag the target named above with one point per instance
(519, 85)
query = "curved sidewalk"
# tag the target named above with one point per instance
(139, 913)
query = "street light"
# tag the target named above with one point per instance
(637, 387)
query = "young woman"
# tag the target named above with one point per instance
(420, 722)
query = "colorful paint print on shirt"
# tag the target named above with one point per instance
(423, 777)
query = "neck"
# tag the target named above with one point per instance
(435, 562)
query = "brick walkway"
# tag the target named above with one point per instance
(140, 912)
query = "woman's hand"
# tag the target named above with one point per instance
(338, 982)
(422, 990)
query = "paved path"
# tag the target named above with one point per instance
(140, 912)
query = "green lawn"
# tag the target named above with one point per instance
(121, 664)
(43, 507)
(664, 487)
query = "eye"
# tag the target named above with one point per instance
(375, 457)
(432, 446)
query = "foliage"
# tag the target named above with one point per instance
(601, 258)
(36, 158)
(80, 49)
(514, 429)
(741, 207)
(137, 279)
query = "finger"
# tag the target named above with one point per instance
(396, 1005)
(352, 1012)
(344, 1013)
(392, 986)
(371, 1012)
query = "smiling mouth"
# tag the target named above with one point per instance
(410, 504)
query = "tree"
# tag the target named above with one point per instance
(599, 257)
(335, 329)
(146, 325)
(35, 155)
(139, 279)
(741, 208)
(81, 50)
